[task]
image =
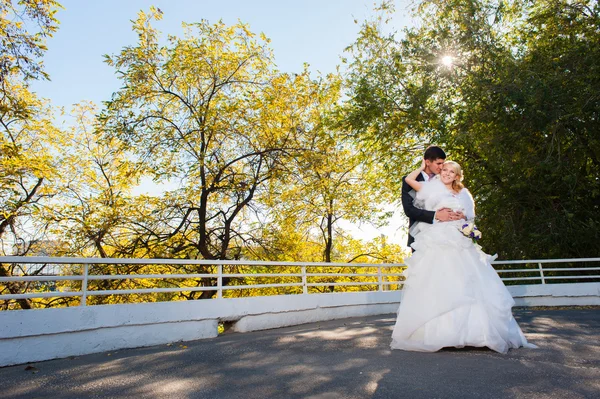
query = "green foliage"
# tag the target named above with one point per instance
(518, 109)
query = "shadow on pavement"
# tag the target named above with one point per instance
(336, 359)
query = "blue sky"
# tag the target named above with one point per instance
(311, 31)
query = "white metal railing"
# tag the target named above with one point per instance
(382, 279)
(540, 270)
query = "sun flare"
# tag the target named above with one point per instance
(448, 61)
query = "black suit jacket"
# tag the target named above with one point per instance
(414, 214)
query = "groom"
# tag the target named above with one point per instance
(434, 159)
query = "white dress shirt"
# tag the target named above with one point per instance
(425, 175)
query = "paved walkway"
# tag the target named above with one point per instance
(337, 359)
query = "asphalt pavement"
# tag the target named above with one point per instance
(347, 358)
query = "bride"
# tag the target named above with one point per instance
(452, 297)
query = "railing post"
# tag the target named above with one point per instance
(84, 285)
(379, 278)
(220, 281)
(541, 272)
(304, 287)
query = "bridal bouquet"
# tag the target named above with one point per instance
(471, 231)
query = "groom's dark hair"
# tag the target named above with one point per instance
(432, 153)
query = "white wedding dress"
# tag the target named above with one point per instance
(452, 296)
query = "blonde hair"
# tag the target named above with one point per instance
(456, 184)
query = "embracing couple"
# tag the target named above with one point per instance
(452, 296)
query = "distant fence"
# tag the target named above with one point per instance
(549, 271)
(76, 280)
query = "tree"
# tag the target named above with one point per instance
(329, 181)
(210, 112)
(388, 108)
(25, 160)
(28, 171)
(28, 142)
(93, 209)
(517, 109)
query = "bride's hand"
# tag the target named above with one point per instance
(411, 178)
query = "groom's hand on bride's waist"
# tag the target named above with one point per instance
(448, 215)
(443, 215)
(459, 215)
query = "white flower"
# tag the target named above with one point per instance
(467, 228)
